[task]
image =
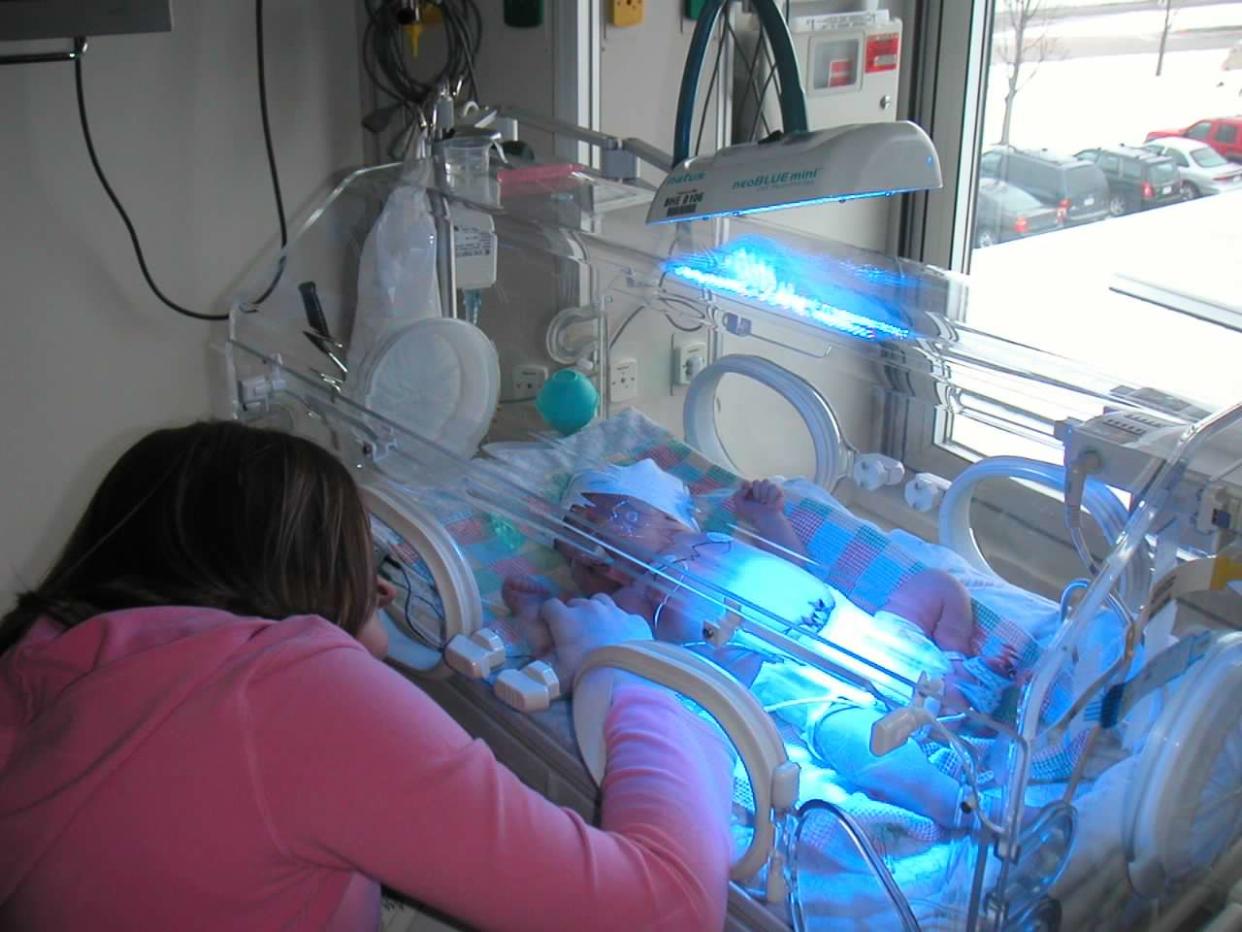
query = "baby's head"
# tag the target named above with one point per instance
(639, 509)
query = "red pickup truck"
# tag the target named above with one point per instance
(1224, 134)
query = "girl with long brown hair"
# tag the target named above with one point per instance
(194, 732)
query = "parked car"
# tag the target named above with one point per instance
(1076, 188)
(1203, 169)
(1137, 179)
(1004, 212)
(1224, 134)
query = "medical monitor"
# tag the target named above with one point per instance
(55, 19)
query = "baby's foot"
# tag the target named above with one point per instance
(523, 595)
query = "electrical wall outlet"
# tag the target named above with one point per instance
(625, 12)
(689, 359)
(623, 380)
(528, 378)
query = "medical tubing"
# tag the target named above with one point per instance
(1076, 479)
(1132, 537)
(870, 855)
(1074, 585)
(793, 103)
(954, 524)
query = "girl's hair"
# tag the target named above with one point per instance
(219, 515)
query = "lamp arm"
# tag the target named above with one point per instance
(639, 148)
(773, 25)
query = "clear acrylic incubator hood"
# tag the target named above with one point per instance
(539, 393)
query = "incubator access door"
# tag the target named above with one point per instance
(938, 589)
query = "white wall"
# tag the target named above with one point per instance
(89, 360)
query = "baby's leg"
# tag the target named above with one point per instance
(903, 777)
(938, 604)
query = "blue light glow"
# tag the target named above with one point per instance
(771, 273)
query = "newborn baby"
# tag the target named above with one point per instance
(659, 565)
(647, 515)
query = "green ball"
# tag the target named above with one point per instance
(567, 401)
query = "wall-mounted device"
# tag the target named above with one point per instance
(850, 67)
(64, 19)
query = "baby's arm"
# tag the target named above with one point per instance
(761, 504)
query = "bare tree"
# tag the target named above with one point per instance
(1164, 33)
(1023, 41)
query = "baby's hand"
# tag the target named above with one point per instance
(759, 501)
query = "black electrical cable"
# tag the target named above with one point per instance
(750, 77)
(133, 235)
(120, 209)
(271, 154)
(388, 63)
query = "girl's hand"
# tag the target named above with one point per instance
(580, 626)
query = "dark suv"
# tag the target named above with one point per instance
(1004, 212)
(1076, 188)
(1138, 178)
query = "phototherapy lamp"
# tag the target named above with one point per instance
(795, 168)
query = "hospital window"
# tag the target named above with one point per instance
(1088, 202)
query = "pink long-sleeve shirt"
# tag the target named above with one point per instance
(183, 768)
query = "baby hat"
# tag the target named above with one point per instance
(643, 481)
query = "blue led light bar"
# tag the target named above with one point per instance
(770, 273)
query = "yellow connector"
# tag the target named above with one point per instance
(428, 15)
(626, 12)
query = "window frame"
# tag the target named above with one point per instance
(947, 98)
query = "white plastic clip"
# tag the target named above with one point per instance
(891, 731)
(925, 490)
(873, 470)
(785, 785)
(719, 633)
(475, 655)
(255, 390)
(530, 689)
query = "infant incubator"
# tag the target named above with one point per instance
(470, 342)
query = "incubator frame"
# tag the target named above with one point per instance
(914, 378)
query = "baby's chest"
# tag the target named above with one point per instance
(718, 574)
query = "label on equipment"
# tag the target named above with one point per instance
(883, 52)
(683, 202)
(825, 21)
